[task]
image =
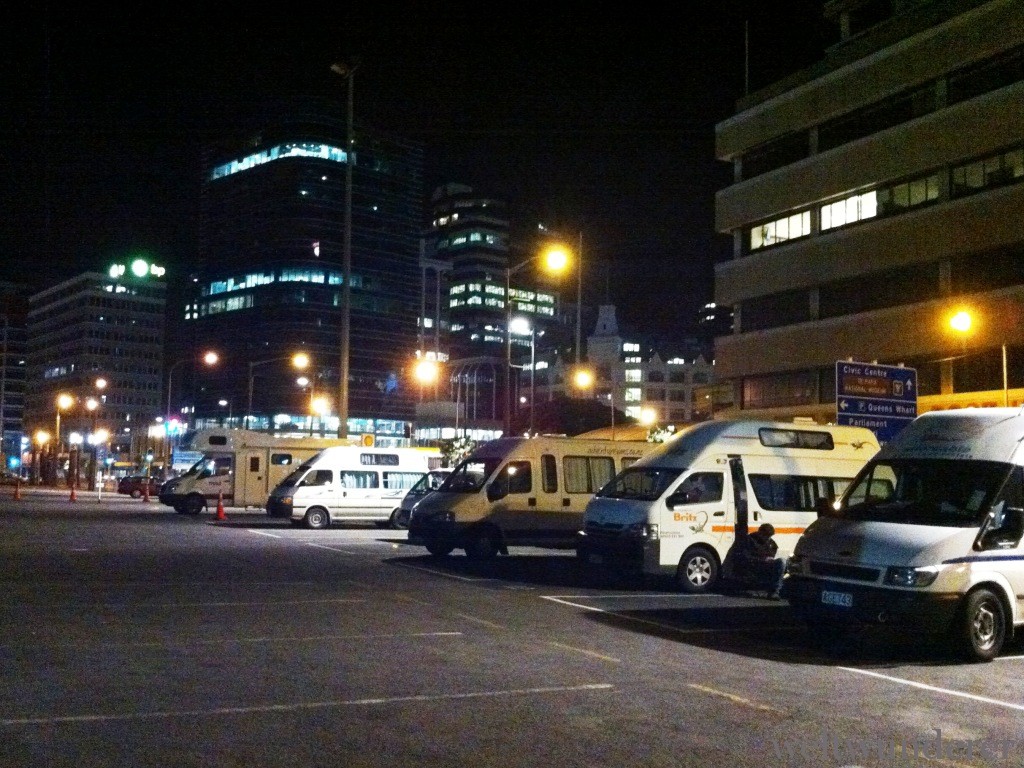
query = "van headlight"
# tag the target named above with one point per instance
(909, 576)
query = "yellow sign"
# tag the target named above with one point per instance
(367, 441)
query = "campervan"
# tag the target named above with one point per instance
(428, 483)
(351, 484)
(238, 467)
(927, 539)
(680, 510)
(518, 491)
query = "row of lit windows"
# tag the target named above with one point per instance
(1002, 168)
(280, 152)
(289, 275)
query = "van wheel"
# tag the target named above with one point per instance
(317, 518)
(697, 572)
(136, 493)
(439, 547)
(482, 545)
(981, 628)
(398, 520)
(193, 504)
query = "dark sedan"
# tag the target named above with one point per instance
(135, 486)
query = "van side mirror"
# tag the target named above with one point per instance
(1008, 533)
(497, 490)
(825, 507)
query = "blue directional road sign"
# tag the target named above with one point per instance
(882, 398)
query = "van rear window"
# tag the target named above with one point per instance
(772, 437)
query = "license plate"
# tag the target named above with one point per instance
(841, 599)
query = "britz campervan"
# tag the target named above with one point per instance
(927, 539)
(239, 467)
(350, 483)
(679, 511)
(518, 491)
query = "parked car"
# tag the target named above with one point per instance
(135, 486)
(9, 478)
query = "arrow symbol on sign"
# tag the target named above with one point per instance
(910, 383)
(844, 405)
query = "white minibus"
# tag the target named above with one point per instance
(927, 540)
(679, 511)
(518, 491)
(350, 483)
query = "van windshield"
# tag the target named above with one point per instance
(641, 483)
(293, 478)
(469, 476)
(940, 492)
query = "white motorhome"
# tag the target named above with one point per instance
(517, 491)
(927, 539)
(238, 466)
(351, 484)
(678, 512)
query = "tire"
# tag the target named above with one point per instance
(483, 545)
(193, 504)
(136, 493)
(399, 520)
(980, 630)
(697, 572)
(439, 548)
(179, 508)
(317, 518)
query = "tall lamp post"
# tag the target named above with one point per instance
(300, 360)
(556, 259)
(347, 71)
(961, 323)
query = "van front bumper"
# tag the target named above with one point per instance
(821, 601)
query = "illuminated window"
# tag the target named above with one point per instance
(632, 375)
(781, 230)
(632, 395)
(849, 210)
(280, 152)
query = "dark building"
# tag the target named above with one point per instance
(877, 195)
(13, 319)
(269, 278)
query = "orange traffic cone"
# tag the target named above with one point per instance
(74, 496)
(17, 490)
(220, 507)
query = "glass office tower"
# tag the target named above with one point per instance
(269, 278)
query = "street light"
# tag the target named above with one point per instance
(961, 322)
(209, 358)
(64, 402)
(555, 259)
(347, 71)
(521, 326)
(299, 360)
(577, 357)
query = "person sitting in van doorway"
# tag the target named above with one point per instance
(758, 561)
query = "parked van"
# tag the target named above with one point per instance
(679, 511)
(927, 539)
(238, 466)
(517, 491)
(429, 482)
(351, 484)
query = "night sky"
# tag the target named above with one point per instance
(591, 117)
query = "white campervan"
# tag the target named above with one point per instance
(679, 510)
(517, 491)
(927, 539)
(350, 484)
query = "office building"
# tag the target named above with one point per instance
(97, 337)
(13, 339)
(876, 194)
(269, 282)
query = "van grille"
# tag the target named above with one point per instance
(841, 571)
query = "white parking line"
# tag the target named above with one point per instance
(298, 707)
(935, 689)
(332, 549)
(445, 574)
